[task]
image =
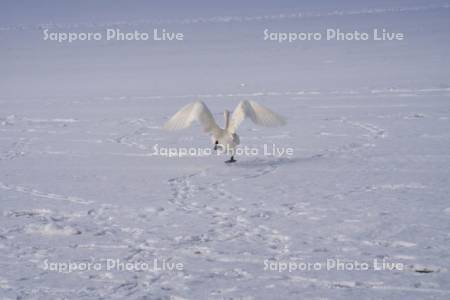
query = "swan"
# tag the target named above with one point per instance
(225, 138)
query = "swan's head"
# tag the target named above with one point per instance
(226, 116)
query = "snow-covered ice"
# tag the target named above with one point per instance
(369, 179)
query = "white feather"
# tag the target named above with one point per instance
(259, 114)
(223, 139)
(196, 111)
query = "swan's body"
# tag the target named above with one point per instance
(225, 137)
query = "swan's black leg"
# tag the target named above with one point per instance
(231, 160)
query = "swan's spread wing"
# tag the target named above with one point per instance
(259, 114)
(196, 111)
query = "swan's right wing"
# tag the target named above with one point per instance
(196, 111)
(259, 114)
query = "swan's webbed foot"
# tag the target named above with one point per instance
(231, 160)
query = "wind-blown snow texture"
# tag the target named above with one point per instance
(369, 178)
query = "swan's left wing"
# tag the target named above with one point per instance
(196, 111)
(259, 114)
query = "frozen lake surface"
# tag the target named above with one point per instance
(368, 180)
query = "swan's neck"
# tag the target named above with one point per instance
(226, 115)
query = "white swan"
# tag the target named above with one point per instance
(226, 137)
